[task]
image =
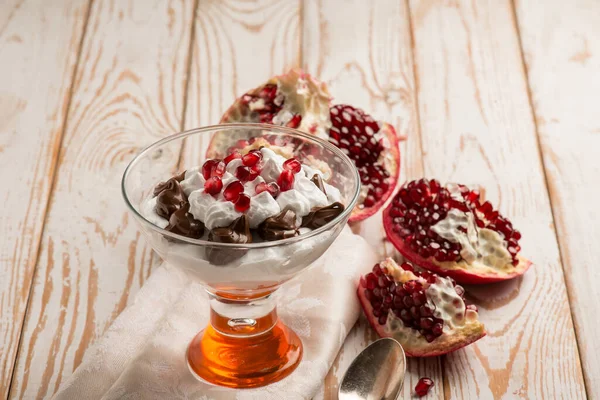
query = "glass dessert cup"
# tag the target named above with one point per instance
(245, 344)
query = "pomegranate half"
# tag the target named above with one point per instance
(425, 312)
(297, 100)
(448, 230)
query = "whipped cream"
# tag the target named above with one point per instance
(215, 211)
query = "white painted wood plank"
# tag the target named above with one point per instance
(38, 51)
(128, 92)
(363, 51)
(477, 126)
(561, 43)
(239, 45)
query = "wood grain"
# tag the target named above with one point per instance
(38, 48)
(565, 98)
(128, 92)
(238, 46)
(363, 51)
(477, 126)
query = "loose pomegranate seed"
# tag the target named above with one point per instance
(212, 168)
(286, 180)
(271, 187)
(233, 156)
(423, 386)
(242, 203)
(213, 185)
(292, 165)
(233, 191)
(252, 158)
(245, 174)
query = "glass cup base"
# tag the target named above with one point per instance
(244, 362)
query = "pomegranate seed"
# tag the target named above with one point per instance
(252, 158)
(233, 191)
(213, 185)
(286, 180)
(423, 386)
(270, 187)
(294, 122)
(242, 203)
(213, 168)
(245, 174)
(233, 156)
(292, 165)
(353, 132)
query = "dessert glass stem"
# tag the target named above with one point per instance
(245, 345)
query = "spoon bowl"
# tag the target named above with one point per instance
(377, 373)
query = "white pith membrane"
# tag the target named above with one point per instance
(460, 324)
(483, 250)
(297, 94)
(303, 95)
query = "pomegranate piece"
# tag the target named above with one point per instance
(294, 122)
(232, 156)
(214, 167)
(242, 203)
(286, 180)
(233, 191)
(213, 185)
(447, 229)
(270, 187)
(372, 145)
(246, 174)
(252, 158)
(423, 386)
(425, 312)
(292, 165)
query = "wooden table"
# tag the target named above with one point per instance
(499, 93)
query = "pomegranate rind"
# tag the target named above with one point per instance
(449, 269)
(392, 165)
(444, 344)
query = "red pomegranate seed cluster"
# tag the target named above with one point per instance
(214, 169)
(423, 203)
(407, 300)
(353, 132)
(423, 386)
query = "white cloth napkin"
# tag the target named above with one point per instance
(142, 355)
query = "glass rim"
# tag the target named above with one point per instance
(231, 126)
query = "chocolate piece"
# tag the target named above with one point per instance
(320, 216)
(184, 223)
(318, 181)
(237, 232)
(181, 176)
(169, 198)
(280, 226)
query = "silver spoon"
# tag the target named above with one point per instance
(377, 373)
